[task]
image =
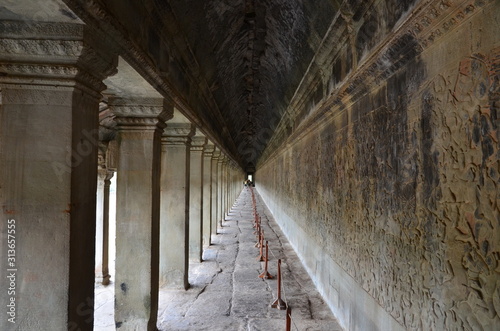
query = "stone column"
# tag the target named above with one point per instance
(231, 185)
(102, 225)
(207, 194)
(50, 82)
(196, 197)
(221, 189)
(225, 177)
(231, 197)
(174, 227)
(237, 182)
(215, 189)
(228, 187)
(140, 125)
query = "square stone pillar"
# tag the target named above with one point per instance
(50, 82)
(226, 189)
(227, 186)
(196, 198)
(174, 228)
(215, 189)
(231, 195)
(207, 194)
(140, 125)
(221, 189)
(102, 226)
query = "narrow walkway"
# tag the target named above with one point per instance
(226, 292)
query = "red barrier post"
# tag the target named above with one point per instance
(279, 303)
(288, 319)
(266, 274)
(259, 237)
(261, 255)
(257, 227)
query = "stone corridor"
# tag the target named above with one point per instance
(225, 291)
(371, 129)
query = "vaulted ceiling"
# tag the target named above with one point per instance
(231, 66)
(252, 54)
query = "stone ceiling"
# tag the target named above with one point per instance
(253, 54)
(233, 65)
(230, 66)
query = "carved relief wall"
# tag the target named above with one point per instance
(400, 186)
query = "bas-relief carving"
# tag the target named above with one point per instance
(430, 21)
(465, 108)
(31, 28)
(54, 54)
(409, 207)
(38, 70)
(41, 47)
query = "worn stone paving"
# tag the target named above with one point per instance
(226, 292)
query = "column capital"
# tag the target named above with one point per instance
(216, 154)
(178, 134)
(223, 159)
(53, 54)
(209, 149)
(198, 143)
(105, 175)
(138, 113)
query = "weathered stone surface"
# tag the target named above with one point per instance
(215, 190)
(226, 292)
(49, 104)
(207, 194)
(196, 197)
(373, 126)
(389, 189)
(175, 193)
(138, 213)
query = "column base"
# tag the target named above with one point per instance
(134, 325)
(103, 279)
(174, 279)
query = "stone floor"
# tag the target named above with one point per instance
(226, 292)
